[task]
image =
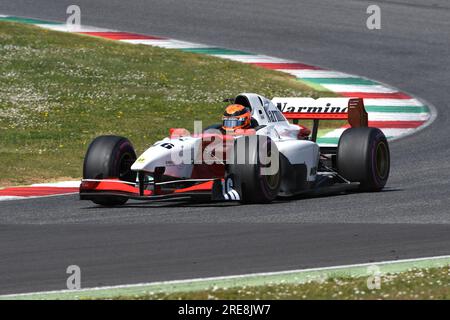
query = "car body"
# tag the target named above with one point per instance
(181, 165)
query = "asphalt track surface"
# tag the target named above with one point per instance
(39, 238)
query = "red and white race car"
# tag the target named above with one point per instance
(273, 158)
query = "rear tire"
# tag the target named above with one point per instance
(363, 156)
(110, 157)
(255, 186)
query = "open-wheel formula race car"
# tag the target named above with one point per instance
(273, 158)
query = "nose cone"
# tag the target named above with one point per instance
(167, 153)
(153, 157)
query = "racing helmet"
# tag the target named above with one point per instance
(236, 116)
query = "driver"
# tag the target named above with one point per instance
(236, 116)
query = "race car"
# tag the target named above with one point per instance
(254, 156)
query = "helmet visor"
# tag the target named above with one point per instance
(233, 122)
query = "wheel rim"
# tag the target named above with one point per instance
(382, 160)
(272, 181)
(125, 163)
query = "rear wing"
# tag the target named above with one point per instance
(350, 109)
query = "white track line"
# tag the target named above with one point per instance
(388, 132)
(317, 73)
(60, 184)
(167, 43)
(240, 276)
(8, 198)
(72, 28)
(248, 58)
(393, 102)
(358, 88)
(11, 198)
(392, 116)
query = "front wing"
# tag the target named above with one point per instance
(214, 189)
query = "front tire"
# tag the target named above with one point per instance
(110, 157)
(256, 187)
(363, 156)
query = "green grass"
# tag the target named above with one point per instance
(432, 283)
(58, 91)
